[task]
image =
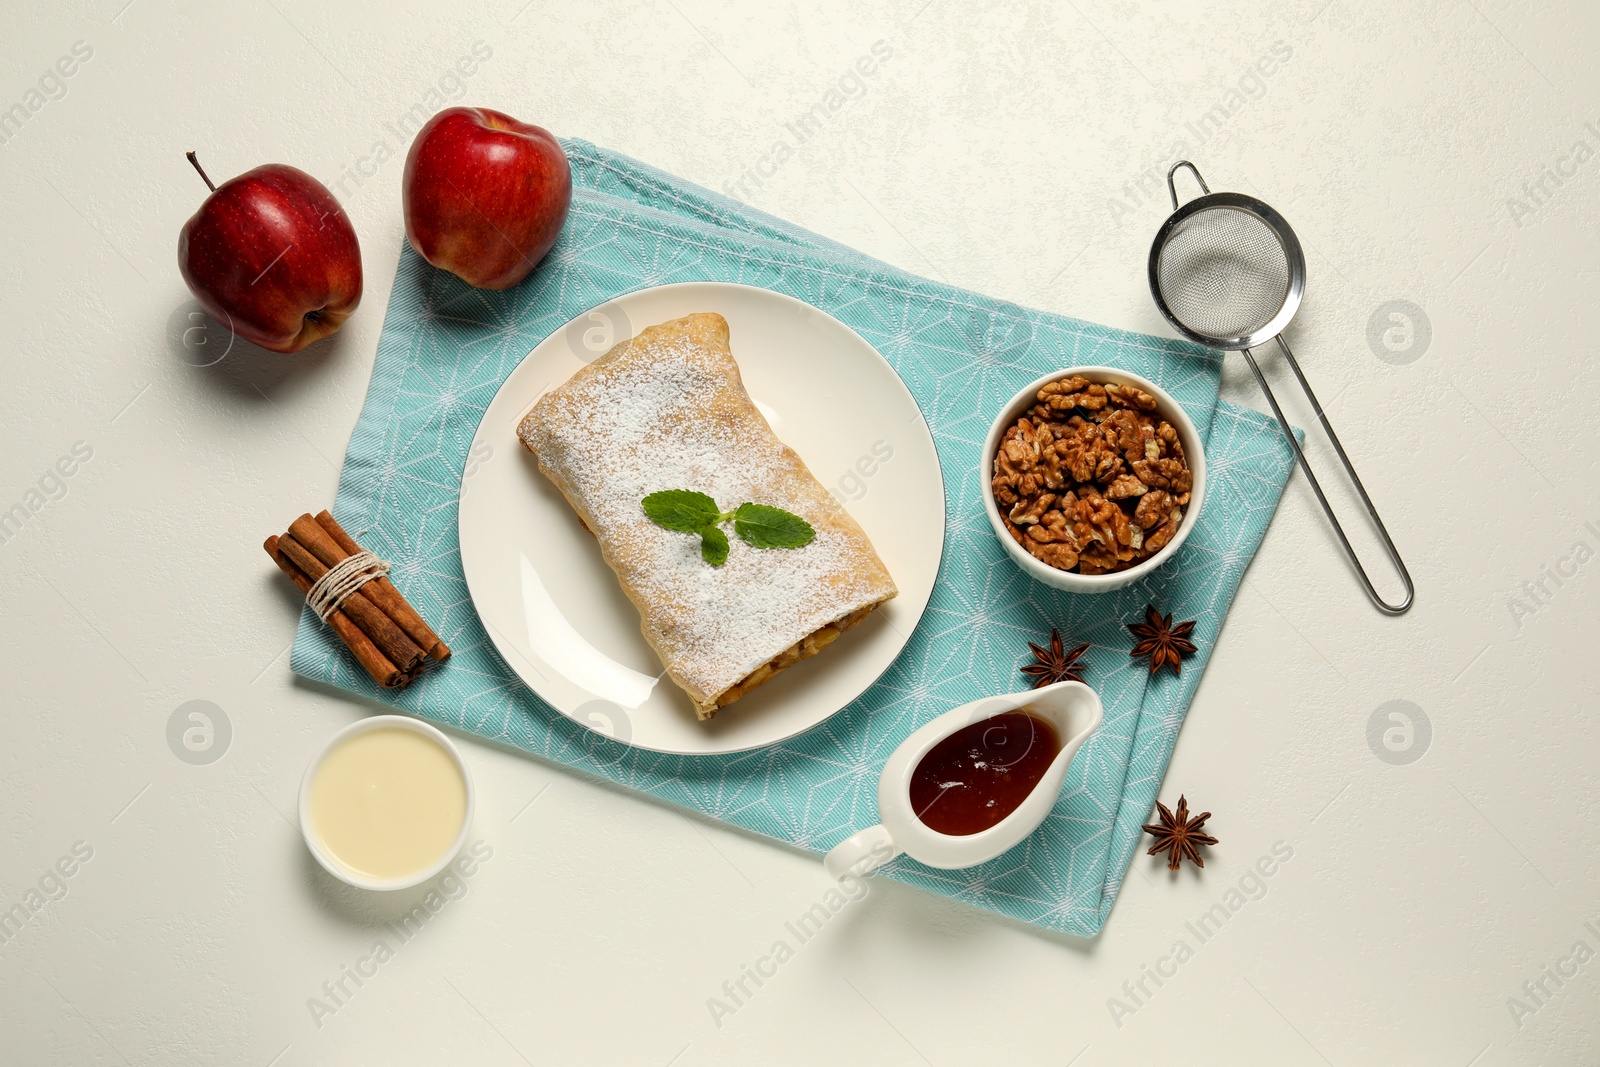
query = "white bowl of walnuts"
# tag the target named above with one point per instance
(1093, 477)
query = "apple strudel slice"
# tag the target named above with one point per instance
(668, 410)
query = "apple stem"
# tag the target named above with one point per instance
(196, 162)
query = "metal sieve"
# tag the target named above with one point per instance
(1227, 272)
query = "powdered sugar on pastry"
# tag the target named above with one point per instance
(667, 410)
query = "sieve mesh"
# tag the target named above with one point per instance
(1223, 273)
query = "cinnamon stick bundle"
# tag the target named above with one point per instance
(382, 630)
(338, 545)
(378, 666)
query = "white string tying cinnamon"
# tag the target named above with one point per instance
(328, 593)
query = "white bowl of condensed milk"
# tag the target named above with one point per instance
(386, 803)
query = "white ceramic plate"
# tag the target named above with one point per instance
(555, 611)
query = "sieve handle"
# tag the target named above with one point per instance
(1305, 465)
(1172, 186)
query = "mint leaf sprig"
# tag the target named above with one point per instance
(758, 525)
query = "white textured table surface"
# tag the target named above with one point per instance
(1442, 911)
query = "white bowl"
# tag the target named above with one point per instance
(1072, 581)
(331, 862)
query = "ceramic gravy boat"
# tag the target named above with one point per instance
(1071, 707)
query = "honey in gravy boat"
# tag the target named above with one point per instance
(975, 781)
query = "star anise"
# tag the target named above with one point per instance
(1056, 663)
(1163, 642)
(1176, 835)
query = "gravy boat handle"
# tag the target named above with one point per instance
(861, 852)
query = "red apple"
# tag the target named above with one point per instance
(485, 195)
(272, 254)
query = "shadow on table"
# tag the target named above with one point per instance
(402, 912)
(221, 361)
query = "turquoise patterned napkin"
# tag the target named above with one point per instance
(446, 348)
